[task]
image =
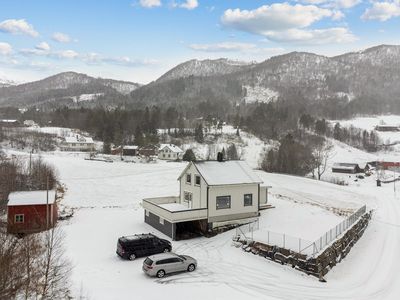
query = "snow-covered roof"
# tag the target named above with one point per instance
(81, 139)
(172, 147)
(226, 172)
(173, 206)
(31, 198)
(131, 147)
(9, 121)
(345, 166)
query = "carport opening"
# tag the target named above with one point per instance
(190, 229)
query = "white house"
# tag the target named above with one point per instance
(212, 194)
(77, 143)
(169, 152)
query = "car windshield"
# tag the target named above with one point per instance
(148, 261)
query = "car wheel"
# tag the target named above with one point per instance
(191, 268)
(160, 274)
(132, 256)
(166, 250)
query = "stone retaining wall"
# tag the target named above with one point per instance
(320, 265)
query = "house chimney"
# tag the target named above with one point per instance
(220, 156)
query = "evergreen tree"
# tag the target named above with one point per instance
(189, 155)
(198, 135)
(231, 153)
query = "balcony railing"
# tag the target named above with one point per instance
(171, 210)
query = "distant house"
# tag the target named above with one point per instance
(26, 211)
(387, 127)
(346, 168)
(169, 152)
(388, 165)
(212, 194)
(10, 123)
(77, 143)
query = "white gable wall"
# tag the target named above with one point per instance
(199, 193)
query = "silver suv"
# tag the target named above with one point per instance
(166, 263)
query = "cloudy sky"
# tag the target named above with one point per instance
(140, 40)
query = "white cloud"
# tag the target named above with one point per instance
(381, 31)
(278, 16)
(333, 3)
(337, 15)
(264, 40)
(210, 8)
(6, 49)
(43, 46)
(91, 58)
(190, 4)
(316, 37)
(38, 66)
(18, 27)
(66, 54)
(33, 52)
(381, 11)
(264, 51)
(62, 38)
(150, 3)
(223, 47)
(232, 36)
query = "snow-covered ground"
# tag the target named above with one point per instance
(106, 199)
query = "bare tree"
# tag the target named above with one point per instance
(322, 153)
(55, 267)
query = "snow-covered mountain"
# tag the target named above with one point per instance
(8, 80)
(62, 86)
(206, 67)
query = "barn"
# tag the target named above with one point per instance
(26, 211)
(346, 168)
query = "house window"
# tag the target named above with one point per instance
(248, 199)
(19, 218)
(73, 144)
(188, 196)
(161, 221)
(163, 155)
(223, 202)
(189, 178)
(197, 180)
(169, 155)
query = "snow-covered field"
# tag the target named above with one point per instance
(106, 198)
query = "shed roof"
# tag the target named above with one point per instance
(229, 172)
(31, 198)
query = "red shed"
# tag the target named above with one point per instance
(26, 211)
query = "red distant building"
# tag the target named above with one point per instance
(26, 211)
(388, 165)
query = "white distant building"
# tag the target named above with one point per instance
(77, 143)
(169, 152)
